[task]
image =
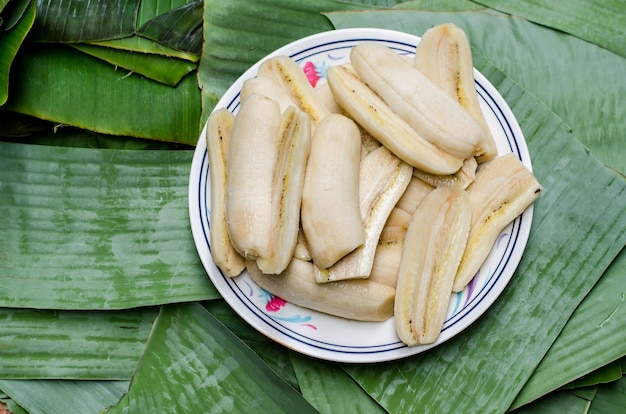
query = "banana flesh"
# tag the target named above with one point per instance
(362, 300)
(265, 173)
(286, 72)
(268, 87)
(463, 177)
(293, 151)
(502, 190)
(377, 118)
(249, 178)
(433, 114)
(383, 178)
(218, 130)
(433, 247)
(331, 218)
(445, 57)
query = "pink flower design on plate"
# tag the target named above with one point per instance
(274, 304)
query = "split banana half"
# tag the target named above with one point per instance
(502, 190)
(433, 247)
(444, 56)
(265, 175)
(218, 130)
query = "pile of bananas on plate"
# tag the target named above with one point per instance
(376, 194)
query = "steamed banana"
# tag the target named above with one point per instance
(377, 118)
(502, 190)
(265, 173)
(432, 114)
(289, 174)
(331, 218)
(218, 129)
(361, 300)
(286, 72)
(383, 178)
(387, 263)
(268, 87)
(445, 57)
(463, 177)
(433, 248)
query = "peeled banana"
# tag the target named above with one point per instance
(377, 118)
(502, 190)
(362, 300)
(433, 248)
(444, 56)
(434, 115)
(218, 129)
(331, 218)
(265, 173)
(290, 76)
(463, 177)
(293, 150)
(383, 178)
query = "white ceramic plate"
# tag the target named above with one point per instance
(332, 338)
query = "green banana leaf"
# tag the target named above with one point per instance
(141, 44)
(11, 38)
(96, 229)
(164, 69)
(597, 21)
(593, 336)
(179, 29)
(330, 396)
(440, 5)
(6, 403)
(60, 84)
(610, 398)
(198, 365)
(608, 373)
(43, 344)
(75, 20)
(557, 403)
(63, 397)
(12, 12)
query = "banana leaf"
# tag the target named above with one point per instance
(43, 344)
(597, 21)
(58, 83)
(557, 403)
(75, 20)
(197, 364)
(179, 29)
(329, 396)
(12, 34)
(593, 336)
(141, 44)
(608, 373)
(63, 397)
(610, 398)
(11, 12)
(6, 403)
(164, 69)
(96, 229)
(439, 5)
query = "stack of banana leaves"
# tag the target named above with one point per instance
(104, 303)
